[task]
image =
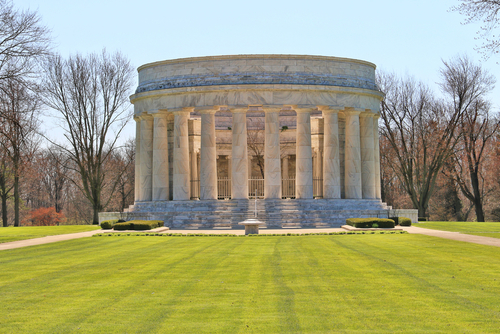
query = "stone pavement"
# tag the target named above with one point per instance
(454, 236)
(46, 240)
(410, 229)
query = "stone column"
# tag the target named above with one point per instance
(160, 157)
(285, 167)
(239, 155)
(193, 170)
(250, 158)
(367, 155)
(208, 161)
(146, 158)
(137, 184)
(352, 155)
(331, 158)
(376, 150)
(181, 180)
(303, 162)
(272, 159)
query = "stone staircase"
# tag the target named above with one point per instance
(290, 213)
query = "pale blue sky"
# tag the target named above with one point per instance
(405, 36)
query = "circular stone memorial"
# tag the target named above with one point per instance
(299, 132)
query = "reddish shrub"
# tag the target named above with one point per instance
(46, 217)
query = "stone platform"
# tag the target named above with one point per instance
(290, 213)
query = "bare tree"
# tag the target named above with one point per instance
(467, 84)
(19, 111)
(477, 128)
(90, 94)
(50, 179)
(485, 11)
(420, 131)
(121, 166)
(23, 42)
(6, 183)
(255, 143)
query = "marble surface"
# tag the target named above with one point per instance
(272, 158)
(137, 173)
(378, 189)
(256, 69)
(146, 158)
(303, 162)
(353, 188)
(160, 158)
(345, 157)
(239, 155)
(367, 155)
(181, 179)
(208, 160)
(331, 158)
(245, 80)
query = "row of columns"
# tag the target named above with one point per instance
(362, 161)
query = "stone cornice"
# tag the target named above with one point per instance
(252, 57)
(258, 78)
(257, 88)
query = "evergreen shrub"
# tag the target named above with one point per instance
(108, 224)
(368, 222)
(404, 221)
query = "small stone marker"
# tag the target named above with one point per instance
(251, 226)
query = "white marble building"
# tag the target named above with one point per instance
(298, 132)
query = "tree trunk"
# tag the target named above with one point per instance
(95, 220)
(16, 200)
(478, 201)
(422, 211)
(4, 210)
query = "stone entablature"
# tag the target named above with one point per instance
(351, 84)
(193, 115)
(256, 69)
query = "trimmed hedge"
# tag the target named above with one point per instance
(369, 222)
(108, 224)
(404, 221)
(138, 225)
(401, 221)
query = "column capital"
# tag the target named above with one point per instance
(208, 111)
(354, 111)
(303, 110)
(271, 109)
(238, 110)
(159, 113)
(376, 116)
(330, 109)
(300, 107)
(367, 113)
(143, 116)
(183, 111)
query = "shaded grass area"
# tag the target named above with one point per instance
(311, 284)
(487, 229)
(29, 232)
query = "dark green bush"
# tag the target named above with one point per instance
(139, 225)
(404, 221)
(396, 220)
(108, 224)
(368, 222)
(123, 226)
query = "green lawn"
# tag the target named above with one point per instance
(309, 284)
(29, 232)
(488, 229)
